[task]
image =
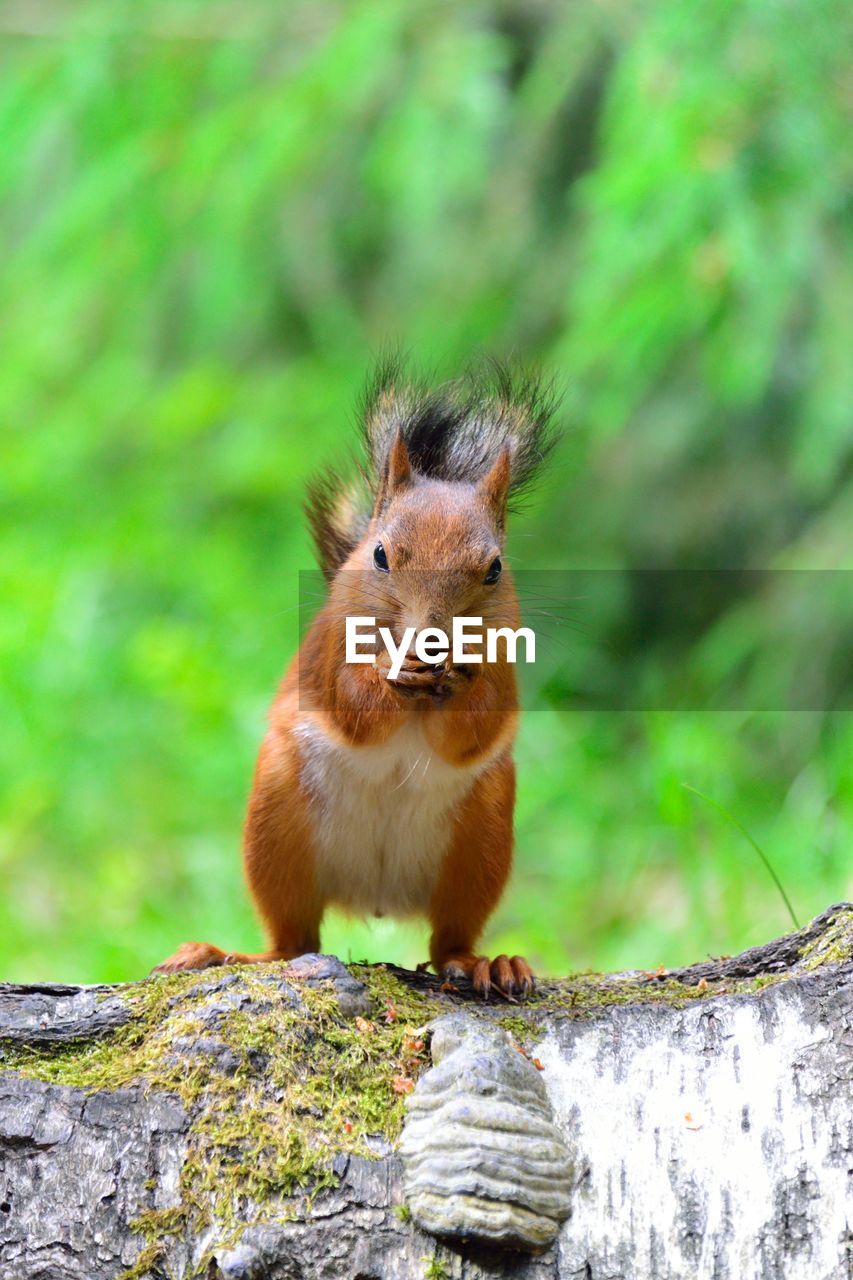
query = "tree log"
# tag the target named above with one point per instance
(246, 1123)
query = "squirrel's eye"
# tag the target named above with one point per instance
(379, 558)
(494, 570)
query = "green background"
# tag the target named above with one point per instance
(212, 217)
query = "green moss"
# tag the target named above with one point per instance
(519, 1026)
(584, 995)
(436, 1269)
(150, 1255)
(590, 995)
(135, 1051)
(395, 998)
(833, 946)
(303, 1085)
(763, 980)
(154, 1224)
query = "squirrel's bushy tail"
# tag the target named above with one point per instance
(452, 432)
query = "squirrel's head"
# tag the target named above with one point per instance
(433, 548)
(456, 453)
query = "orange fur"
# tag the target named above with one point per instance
(337, 728)
(470, 886)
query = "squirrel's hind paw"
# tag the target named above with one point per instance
(511, 978)
(192, 955)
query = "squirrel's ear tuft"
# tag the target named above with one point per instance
(398, 472)
(494, 486)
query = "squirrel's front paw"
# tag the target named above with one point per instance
(511, 978)
(414, 679)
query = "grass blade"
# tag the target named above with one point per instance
(757, 847)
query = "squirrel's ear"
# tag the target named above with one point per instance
(494, 486)
(398, 472)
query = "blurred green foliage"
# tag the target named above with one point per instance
(212, 214)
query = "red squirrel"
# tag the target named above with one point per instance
(395, 796)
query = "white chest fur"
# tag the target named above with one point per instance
(382, 818)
